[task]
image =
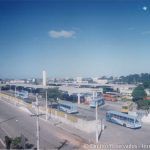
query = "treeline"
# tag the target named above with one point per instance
(143, 78)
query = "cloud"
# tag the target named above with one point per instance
(61, 34)
(131, 28)
(145, 8)
(146, 32)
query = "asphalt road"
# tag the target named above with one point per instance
(15, 122)
(88, 113)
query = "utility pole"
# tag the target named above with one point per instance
(46, 107)
(0, 91)
(37, 115)
(37, 124)
(15, 96)
(96, 117)
(93, 95)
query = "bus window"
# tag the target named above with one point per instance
(125, 107)
(123, 119)
(131, 120)
(136, 121)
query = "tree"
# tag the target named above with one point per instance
(146, 84)
(52, 95)
(17, 143)
(8, 141)
(144, 104)
(134, 78)
(138, 96)
(138, 93)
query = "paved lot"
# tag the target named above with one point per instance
(88, 113)
(115, 134)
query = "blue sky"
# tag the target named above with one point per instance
(74, 38)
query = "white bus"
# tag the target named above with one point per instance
(68, 108)
(100, 101)
(123, 119)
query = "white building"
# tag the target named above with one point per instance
(44, 78)
(17, 81)
(147, 92)
(126, 91)
(79, 79)
(100, 81)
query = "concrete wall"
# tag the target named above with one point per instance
(84, 125)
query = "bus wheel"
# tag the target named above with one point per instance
(124, 125)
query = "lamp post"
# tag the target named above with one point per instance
(37, 124)
(0, 91)
(96, 117)
(46, 107)
(15, 96)
(37, 115)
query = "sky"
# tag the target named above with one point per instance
(70, 38)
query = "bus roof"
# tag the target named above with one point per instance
(121, 114)
(66, 103)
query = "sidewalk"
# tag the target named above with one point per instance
(69, 129)
(72, 130)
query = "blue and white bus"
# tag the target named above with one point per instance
(100, 101)
(68, 108)
(123, 119)
(22, 94)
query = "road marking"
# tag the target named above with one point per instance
(2, 142)
(5, 131)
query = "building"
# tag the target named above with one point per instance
(147, 92)
(17, 81)
(44, 78)
(100, 81)
(79, 79)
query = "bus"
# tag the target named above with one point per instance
(126, 107)
(68, 108)
(123, 119)
(22, 94)
(100, 101)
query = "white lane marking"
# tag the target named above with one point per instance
(2, 142)
(5, 132)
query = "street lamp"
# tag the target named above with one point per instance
(96, 117)
(37, 115)
(0, 91)
(37, 124)
(15, 96)
(46, 107)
